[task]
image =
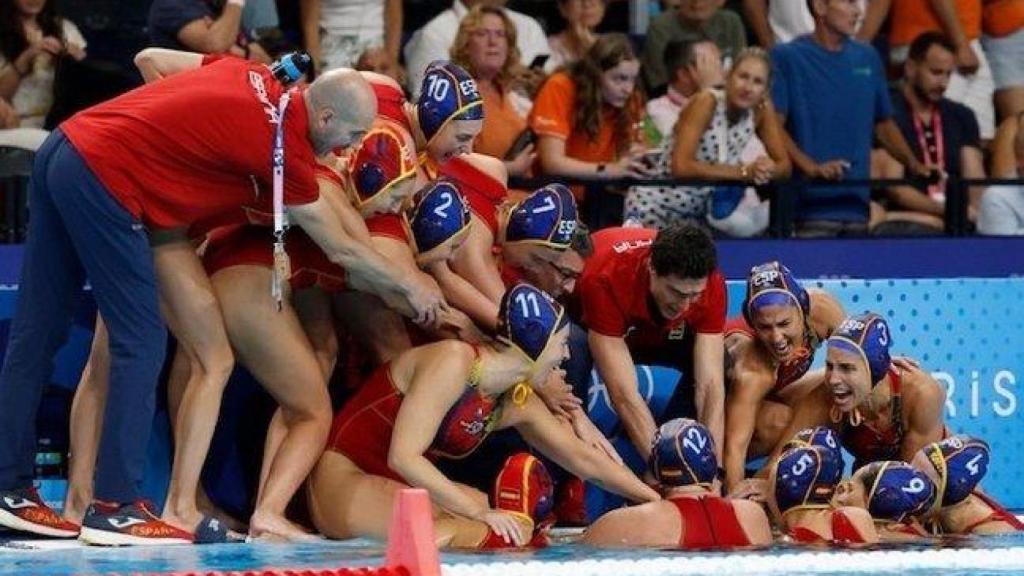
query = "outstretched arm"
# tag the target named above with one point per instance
(615, 365)
(543, 431)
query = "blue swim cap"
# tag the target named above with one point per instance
(772, 284)
(961, 462)
(818, 436)
(896, 491)
(548, 217)
(868, 336)
(528, 318)
(439, 215)
(683, 454)
(448, 93)
(806, 477)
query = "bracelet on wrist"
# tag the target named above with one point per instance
(744, 172)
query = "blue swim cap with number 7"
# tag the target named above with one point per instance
(547, 217)
(448, 93)
(528, 318)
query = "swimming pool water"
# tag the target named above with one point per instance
(561, 559)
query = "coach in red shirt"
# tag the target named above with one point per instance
(651, 297)
(194, 145)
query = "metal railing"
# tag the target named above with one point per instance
(782, 194)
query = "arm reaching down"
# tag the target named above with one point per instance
(157, 63)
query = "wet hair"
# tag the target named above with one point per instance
(581, 242)
(923, 43)
(608, 51)
(685, 251)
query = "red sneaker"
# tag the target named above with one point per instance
(25, 511)
(128, 525)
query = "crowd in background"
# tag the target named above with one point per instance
(742, 93)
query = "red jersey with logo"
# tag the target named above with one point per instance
(613, 293)
(192, 145)
(362, 429)
(709, 522)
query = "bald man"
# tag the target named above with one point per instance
(194, 145)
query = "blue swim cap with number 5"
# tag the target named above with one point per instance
(448, 93)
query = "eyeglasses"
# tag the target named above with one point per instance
(563, 272)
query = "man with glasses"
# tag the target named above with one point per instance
(653, 298)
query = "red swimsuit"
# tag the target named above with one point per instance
(709, 522)
(869, 445)
(362, 429)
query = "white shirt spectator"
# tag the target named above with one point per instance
(34, 97)
(1002, 211)
(434, 40)
(347, 29)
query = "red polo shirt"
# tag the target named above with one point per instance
(195, 145)
(613, 293)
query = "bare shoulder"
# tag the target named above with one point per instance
(649, 524)
(754, 521)
(489, 165)
(752, 372)
(453, 355)
(922, 393)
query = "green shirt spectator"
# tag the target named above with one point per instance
(691, 21)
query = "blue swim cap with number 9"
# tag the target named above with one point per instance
(448, 93)
(683, 454)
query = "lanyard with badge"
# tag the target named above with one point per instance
(936, 191)
(282, 267)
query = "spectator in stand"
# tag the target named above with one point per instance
(692, 66)
(581, 17)
(1003, 39)
(656, 207)
(960, 20)
(693, 19)
(434, 40)
(778, 21)
(338, 33)
(942, 134)
(831, 135)
(32, 37)
(587, 117)
(486, 47)
(203, 26)
(1002, 207)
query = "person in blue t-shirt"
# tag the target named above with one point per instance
(212, 26)
(831, 93)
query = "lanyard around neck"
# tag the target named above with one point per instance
(936, 191)
(280, 269)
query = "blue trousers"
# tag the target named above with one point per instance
(77, 231)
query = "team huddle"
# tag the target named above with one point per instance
(470, 309)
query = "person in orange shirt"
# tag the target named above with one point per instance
(486, 47)
(586, 118)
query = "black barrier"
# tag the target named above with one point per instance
(779, 192)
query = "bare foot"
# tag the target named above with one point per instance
(268, 526)
(207, 507)
(185, 520)
(75, 506)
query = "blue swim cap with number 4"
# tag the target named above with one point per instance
(528, 318)
(683, 454)
(960, 463)
(448, 93)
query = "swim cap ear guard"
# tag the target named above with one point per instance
(772, 284)
(439, 216)
(806, 477)
(547, 217)
(868, 336)
(896, 491)
(961, 462)
(683, 454)
(818, 436)
(382, 160)
(528, 318)
(448, 93)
